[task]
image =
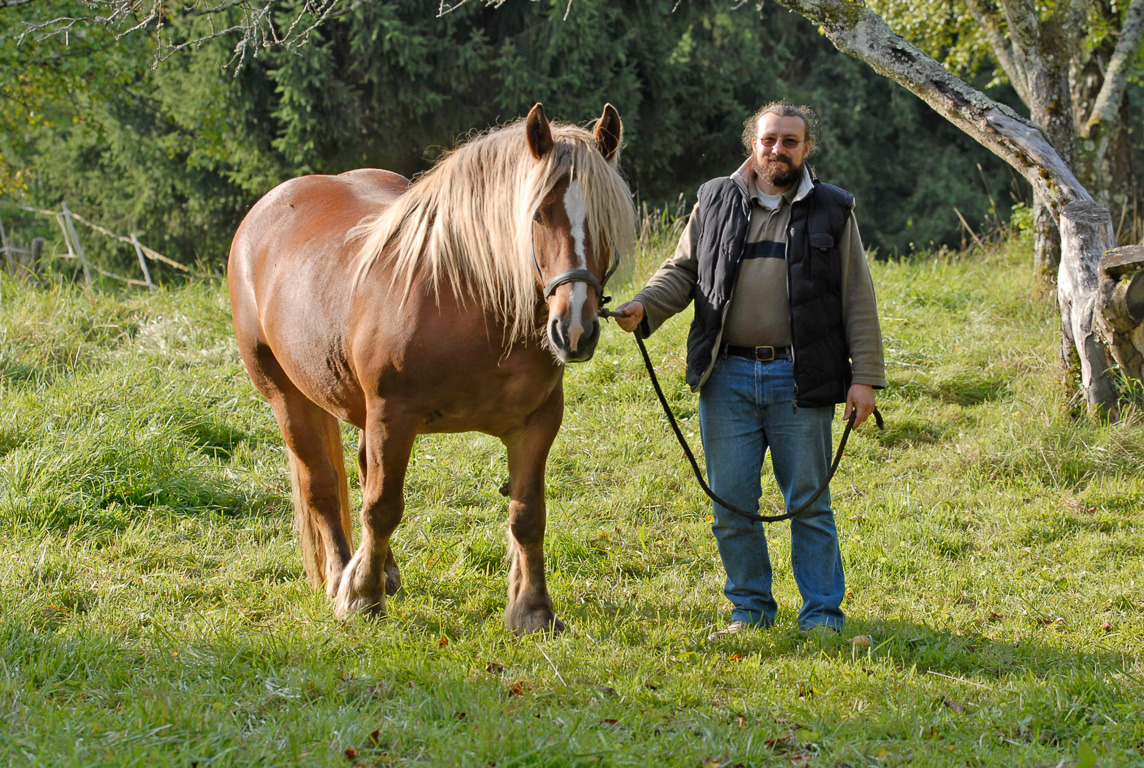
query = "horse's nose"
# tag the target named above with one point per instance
(576, 344)
(555, 335)
(575, 331)
(582, 340)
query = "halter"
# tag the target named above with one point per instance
(577, 275)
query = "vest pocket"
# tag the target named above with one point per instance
(821, 241)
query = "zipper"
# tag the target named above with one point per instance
(727, 307)
(790, 318)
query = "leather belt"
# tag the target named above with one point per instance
(761, 354)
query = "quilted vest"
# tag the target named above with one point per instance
(814, 277)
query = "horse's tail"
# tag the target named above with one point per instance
(305, 526)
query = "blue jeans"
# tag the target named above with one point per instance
(746, 407)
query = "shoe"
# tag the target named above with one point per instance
(733, 628)
(821, 631)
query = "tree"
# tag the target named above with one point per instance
(1085, 226)
(178, 151)
(169, 153)
(1070, 64)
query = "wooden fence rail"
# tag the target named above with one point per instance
(66, 220)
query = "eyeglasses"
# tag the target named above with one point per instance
(788, 142)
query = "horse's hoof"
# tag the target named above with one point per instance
(392, 573)
(333, 582)
(360, 607)
(392, 581)
(539, 623)
(350, 599)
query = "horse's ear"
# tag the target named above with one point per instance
(609, 132)
(538, 132)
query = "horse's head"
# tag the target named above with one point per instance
(570, 268)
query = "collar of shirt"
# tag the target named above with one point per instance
(769, 202)
(745, 178)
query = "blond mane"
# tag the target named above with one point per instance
(467, 222)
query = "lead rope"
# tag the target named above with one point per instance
(695, 465)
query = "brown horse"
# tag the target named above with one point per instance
(449, 304)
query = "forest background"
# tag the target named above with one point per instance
(178, 150)
(153, 612)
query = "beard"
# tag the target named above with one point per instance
(780, 171)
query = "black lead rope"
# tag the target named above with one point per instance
(695, 465)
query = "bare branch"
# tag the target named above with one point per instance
(1002, 48)
(1116, 74)
(252, 22)
(444, 8)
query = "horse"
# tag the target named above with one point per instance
(447, 304)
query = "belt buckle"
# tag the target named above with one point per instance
(764, 354)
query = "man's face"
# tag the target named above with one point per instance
(775, 160)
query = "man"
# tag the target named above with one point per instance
(785, 326)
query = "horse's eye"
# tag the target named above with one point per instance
(538, 217)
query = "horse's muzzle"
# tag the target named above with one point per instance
(571, 347)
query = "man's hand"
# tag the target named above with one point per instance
(633, 315)
(859, 398)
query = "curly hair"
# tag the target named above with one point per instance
(782, 109)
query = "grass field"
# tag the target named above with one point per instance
(153, 613)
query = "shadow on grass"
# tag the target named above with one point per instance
(974, 657)
(214, 437)
(1034, 651)
(962, 388)
(307, 698)
(15, 373)
(904, 432)
(10, 440)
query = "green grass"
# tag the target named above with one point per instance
(153, 613)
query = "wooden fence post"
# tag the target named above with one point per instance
(66, 221)
(7, 249)
(142, 261)
(31, 271)
(70, 231)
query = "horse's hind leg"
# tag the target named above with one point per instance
(529, 606)
(392, 572)
(317, 470)
(384, 456)
(320, 492)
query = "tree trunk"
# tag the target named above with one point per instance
(1086, 230)
(1124, 193)
(1046, 248)
(1120, 307)
(1085, 236)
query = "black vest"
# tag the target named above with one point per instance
(814, 271)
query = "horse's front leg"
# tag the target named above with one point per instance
(392, 571)
(384, 456)
(529, 606)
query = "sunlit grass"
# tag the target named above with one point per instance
(152, 609)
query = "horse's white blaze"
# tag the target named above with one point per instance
(576, 327)
(576, 206)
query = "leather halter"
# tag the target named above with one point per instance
(576, 275)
